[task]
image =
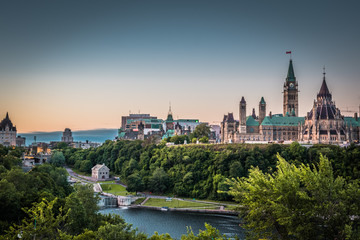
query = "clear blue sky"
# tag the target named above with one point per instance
(83, 64)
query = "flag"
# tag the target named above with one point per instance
(288, 52)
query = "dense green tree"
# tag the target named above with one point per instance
(10, 200)
(76, 221)
(85, 194)
(201, 130)
(85, 166)
(135, 183)
(9, 161)
(159, 181)
(204, 139)
(298, 202)
(57, 159)
(41, 223)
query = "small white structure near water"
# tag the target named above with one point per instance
(100, 172)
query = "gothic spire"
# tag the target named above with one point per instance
(253, 113)
(170, 116)
(262, 101)
(243, 100)
(7, 115)
(324, 90)
(291, 74)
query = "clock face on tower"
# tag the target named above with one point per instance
(291, 85)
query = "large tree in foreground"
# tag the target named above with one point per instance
(298, 203)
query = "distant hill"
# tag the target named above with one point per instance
(96, 135)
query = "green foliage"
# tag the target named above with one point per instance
(179, 139)
(41, 223)
(298, 202)
(135, 183)
(20, 190)
(204, 139)
(202, 130)
(210, 233)
(77, 214)
(204, 162)
(159, 181)
(85, 166)
(57, 159)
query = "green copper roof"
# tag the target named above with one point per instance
(282, 121)
(251, 122)
(262, 101)
(291, 74)
(352, 121)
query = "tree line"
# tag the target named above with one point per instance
(200, 171)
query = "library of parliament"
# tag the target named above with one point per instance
(324, 123)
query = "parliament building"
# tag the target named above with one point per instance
(324, 123)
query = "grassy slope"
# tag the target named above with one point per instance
(115, 189)
(160, 202)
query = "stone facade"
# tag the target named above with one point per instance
(291, 100)
(323, 124)
(100, 172)
(67, 136)
(7, 132)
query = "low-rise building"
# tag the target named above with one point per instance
(100, 172)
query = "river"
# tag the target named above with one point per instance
(176, 223)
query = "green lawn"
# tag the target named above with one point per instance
(106, 182)
(160, 202)
(138, 201)
(115, 189)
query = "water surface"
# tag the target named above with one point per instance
(176, 223)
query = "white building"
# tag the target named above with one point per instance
(100, 172)
(7, 132)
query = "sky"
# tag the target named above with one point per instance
(83, 64)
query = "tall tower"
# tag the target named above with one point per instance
(242, 116)
(262, 110)
(169, 120)
(291, 102)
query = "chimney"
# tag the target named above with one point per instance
(356, 116)
(270, 114)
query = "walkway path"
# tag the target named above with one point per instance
(143, 202)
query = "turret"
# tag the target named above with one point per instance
(242, 116)
(169, 120)
(262, 110)
(253, 113)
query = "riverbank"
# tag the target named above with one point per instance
(191, 210)
(159, 203)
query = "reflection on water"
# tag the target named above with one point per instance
(176, 223)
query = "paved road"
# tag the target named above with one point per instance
(78, 177)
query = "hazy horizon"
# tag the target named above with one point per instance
(84, 64)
